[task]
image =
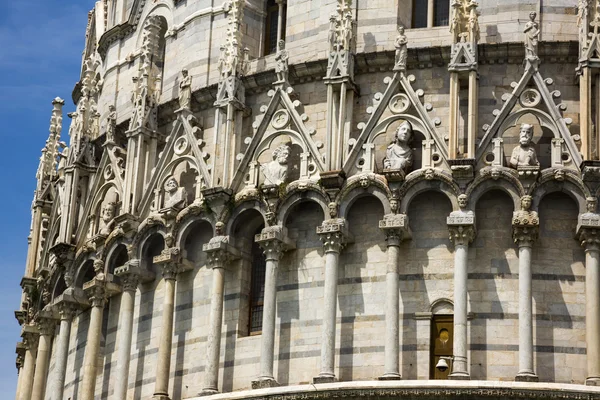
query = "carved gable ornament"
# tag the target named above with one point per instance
(281, 117)
(182, 158)
(532, 96)
(399, 102)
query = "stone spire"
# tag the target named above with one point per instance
(48, 160)
(464, 27)
(233, 60)
(341, 40)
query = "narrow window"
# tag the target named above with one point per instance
(272, 26)
(441, 13)
(442, 334)
(257, 289)
(419, 11)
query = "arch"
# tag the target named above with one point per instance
(569, 183)
(59, 286)
(234, 218)
(116, 257)
(358, 192)
(268, 140)
(197, 233)
(383, 126)
(544, 119)
(481, 187)
(161, 9)
(188, 225)
(293, 198)
(413, 187)
(84, 270)
(141, 238)
(442, 306)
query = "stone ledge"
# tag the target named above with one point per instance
(420, 389)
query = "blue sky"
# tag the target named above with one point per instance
(40, 57)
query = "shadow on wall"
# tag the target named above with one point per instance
(354, 276)
(554, 256)
(302, 224)
(486, 276)
(370, 42)
(427, 253)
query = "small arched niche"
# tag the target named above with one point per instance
(151, 248)
(542, 140)
(199, 233)
(386, 139)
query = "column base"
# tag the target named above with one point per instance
(592, 381)
(526, 377)
(263, 383)
(390, 376)
(459, 376)
(161, 397)
(208, 392)
(324, 379)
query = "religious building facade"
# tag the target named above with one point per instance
(320, 198)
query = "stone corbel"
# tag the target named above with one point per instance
(220, 252)
(395, 227)
(131, 274)
(525, 227)
(588, 229)
(274, 241)
(98, 290)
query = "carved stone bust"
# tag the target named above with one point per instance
(175, 195)
(275, 172)
(399, 155)
(107, 216)
(524, 155)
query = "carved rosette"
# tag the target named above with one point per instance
(395, 227)
(461, 225)
(334, 234)
(273, 240)
(588, 231)
(220, 252)
(525, 227)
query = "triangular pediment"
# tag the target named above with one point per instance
(399, 102)
(279, 117)
(184, 147)
(462, 57)
(530, 96)
(109, 176)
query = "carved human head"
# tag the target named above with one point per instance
(171, 185)
(281, 44)
(590, 204)
(333, 17)
(281, 154)
(184, 72)
(108, 212)
(404, 132)
(219, 226)
(525, 134)
(332, 210)
(532, 15)
(401, 29)
(111, 108)
(526, 202)
(463, 200)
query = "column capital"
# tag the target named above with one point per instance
(588, 231)
(461, 225)
(334, 234)
(20, 351)
(525, 227)
(98, 291)
(395, 227)
(274, 241)
(169, 260)
(30, 336)
(131, 275)
(220, 251)
(46, 325)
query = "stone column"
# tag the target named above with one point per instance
(274, 242)
(334, 235)
(280, 4)
(131, 275)
(220, 255)
(525, 232)
(461, 225)
(395, 227)
(30, 340)
(46, 327)
(588, 232)
(98, 290)
(66, 311)
(168, 261)
(20, 360)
